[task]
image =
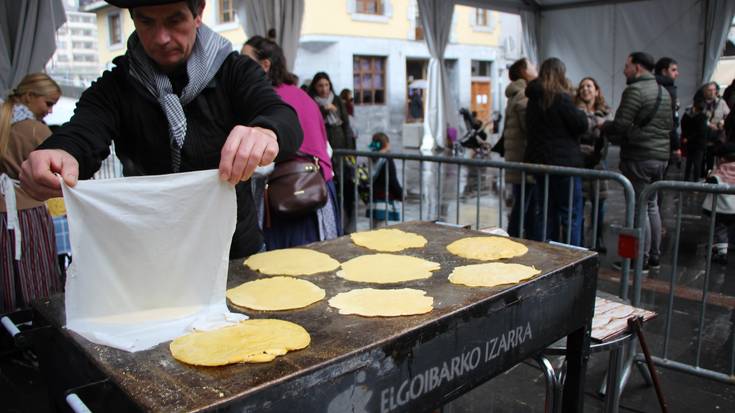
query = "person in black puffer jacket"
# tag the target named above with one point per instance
(554, 125)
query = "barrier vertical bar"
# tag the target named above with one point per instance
(405, 190)
(521, 220)
(571, 210)
(459, 173)
(546, 207)
(501, 196)
(421, 190)
(477, 206)
(672, 281)
(707, 269)
(355, 194)
(595, 214)
(386, 193)
(438, 190)
(370, 183)
(342, 192)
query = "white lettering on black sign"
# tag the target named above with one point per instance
(458, 366)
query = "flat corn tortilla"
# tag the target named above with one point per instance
(275, 294)
(388, 240)
(291, 261)
(250, 341)
(370, 302)
(487, 248)
(386, 268)
(491, 274)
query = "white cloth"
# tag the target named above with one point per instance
(7, 188)
(150, 257)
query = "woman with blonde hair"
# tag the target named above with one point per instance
(28, 264)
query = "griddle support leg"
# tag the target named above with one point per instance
(577, 355)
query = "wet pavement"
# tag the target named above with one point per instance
(522, 388)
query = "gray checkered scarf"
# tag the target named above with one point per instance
(209, 51)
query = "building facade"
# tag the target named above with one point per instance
(74, 62)
(375, 48)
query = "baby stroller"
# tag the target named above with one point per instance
(475, 138)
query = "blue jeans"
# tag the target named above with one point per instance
(528, 209)
(557, 225)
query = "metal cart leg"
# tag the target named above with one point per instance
(577, 343)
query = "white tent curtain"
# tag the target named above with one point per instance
(27, 37)
(436, 17)
(718, 15)
(529, 23)
(285, 16)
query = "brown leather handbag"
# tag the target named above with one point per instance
(295, 188)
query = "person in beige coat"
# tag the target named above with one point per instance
(28, 263)
(514, 140)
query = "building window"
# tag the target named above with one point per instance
(226, 11)
(481, 68)
(419, 26)
(114, 28)
(481, 18)
(369, 80)
(369, 7)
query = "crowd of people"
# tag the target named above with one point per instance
(550, 122)
(235, 112)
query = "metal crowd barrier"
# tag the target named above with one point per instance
(482, 165)
(664, 360)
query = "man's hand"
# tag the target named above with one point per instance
(246, 148)
(37, 173)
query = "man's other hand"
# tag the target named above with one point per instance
(37, 174)
(246, 148)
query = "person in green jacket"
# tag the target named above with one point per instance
(641, 127)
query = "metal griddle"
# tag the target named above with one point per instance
(353, 362)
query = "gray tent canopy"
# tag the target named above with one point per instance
(594, 38)
(27, 37)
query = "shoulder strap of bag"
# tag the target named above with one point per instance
(649, 117)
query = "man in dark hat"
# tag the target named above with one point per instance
(179, 100)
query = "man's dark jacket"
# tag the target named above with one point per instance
(117, 108)
(553, 133)
(668, 84)
(650, 142)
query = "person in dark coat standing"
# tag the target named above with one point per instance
(667, 71)
(339, 133)
(554, 125)
(179, 100)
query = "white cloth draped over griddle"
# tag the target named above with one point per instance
(150, 257)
